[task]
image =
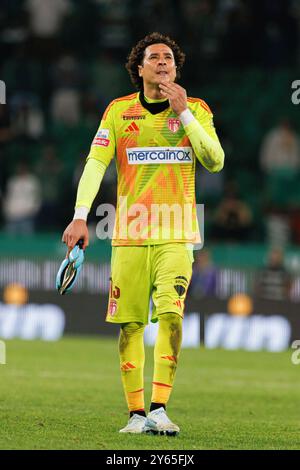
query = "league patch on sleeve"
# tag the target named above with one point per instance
(101, 138)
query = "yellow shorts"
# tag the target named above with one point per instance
(139, 272)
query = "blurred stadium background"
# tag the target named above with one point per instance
(62, 62)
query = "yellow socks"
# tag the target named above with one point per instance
(132, 359)
(166, 353)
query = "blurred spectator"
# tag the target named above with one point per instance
(274, 281)
(13, 30)
(67, 79)
(280, 160)
(66, 107)
(204, 278)
(46, 16)
(278, 230)
(22, 201)
(46, 19)
(114, 25)
(49, 170)
(280, 149)
(233, 217)
(27, 116)
(67, 73)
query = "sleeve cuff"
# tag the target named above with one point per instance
(186, 117)
(81, 213)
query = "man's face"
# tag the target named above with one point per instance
(158, 65)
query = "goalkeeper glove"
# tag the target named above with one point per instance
(70, 269)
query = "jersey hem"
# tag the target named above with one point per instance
(152, 242)
(128, 320)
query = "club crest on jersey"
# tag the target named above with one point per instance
(174, 124)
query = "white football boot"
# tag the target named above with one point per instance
(157, 422)
(135, 424)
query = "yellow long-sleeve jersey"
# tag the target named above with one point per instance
(155, 157)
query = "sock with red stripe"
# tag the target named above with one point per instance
(166, 353)
(132, 359)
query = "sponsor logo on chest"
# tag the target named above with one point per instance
(155, 155)
(131, 117)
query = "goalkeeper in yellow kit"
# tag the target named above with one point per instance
(155, 136)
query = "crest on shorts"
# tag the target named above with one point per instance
(112, 308)
(181, 285)
(174, 124)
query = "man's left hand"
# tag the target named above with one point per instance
(176, 96)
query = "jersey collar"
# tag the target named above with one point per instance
(153, 108)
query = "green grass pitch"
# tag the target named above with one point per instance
(68, 395)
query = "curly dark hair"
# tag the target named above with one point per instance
(136, 56)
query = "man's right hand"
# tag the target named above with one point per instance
(76, 230)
